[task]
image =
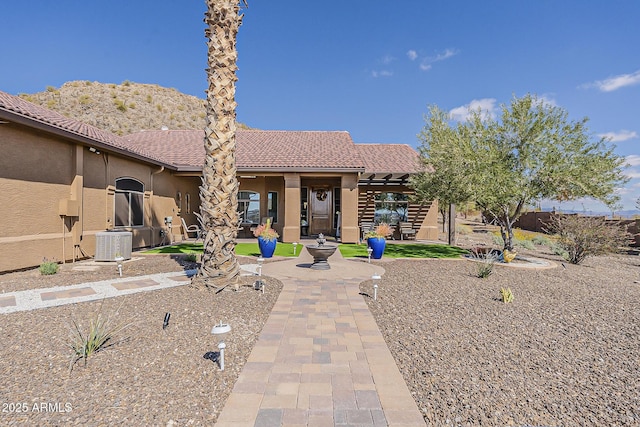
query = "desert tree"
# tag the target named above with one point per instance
(219, 190)
(532, 152)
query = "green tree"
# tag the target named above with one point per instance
(532, 152)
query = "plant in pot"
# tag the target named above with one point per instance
(376, 239)
(267, 239)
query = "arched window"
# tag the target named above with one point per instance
(129, 203)
(249, 207)
(179, 201)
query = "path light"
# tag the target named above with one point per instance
(167, 316)
(376, 279)
(369, 250)
(260, 261)
(119, 259)
(221, 330)
(295, 246)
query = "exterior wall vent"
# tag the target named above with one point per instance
(110, 244)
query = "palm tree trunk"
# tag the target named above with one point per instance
(219, 189)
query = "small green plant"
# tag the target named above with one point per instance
(485, 265)
(100, 335)
(47, 268)
(541, 240)
(506, 295)
(191, 258)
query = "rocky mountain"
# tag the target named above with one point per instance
(124, 108)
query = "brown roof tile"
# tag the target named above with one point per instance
(389, 158)
(259, 149)
(17, 109)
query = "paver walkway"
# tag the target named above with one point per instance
(320, 359)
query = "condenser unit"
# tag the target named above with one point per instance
(110, 244)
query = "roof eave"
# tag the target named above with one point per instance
(73, 136)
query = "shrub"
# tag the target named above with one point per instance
(527, 244)
(464, 229)
(99, 336)
(541, 240)
(48, 268)
(485, 264)
(191, 258)
(506, 294)
(584, 236)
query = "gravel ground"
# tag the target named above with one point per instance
(566, 352)
(155, 377)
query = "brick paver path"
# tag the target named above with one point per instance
(320, 361)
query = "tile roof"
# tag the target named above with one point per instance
(19, 110)
(259, 149)
(389, 158)
(256, 150)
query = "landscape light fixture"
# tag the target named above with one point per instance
(295, 246)
(375, 278)
(119, 260)
(167, 316)
(221, 330)
(369, 250)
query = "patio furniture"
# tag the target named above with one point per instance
(191, 229)
(406, 230)
(365, 227)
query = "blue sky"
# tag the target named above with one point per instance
(368, 67)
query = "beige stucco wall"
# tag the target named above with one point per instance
(37, 171)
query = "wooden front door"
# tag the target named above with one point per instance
(320, 211)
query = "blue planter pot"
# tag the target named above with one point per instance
(377, 244)
(267, 247)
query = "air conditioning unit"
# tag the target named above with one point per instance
(110, 244)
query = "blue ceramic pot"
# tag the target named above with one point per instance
(267, 247)
(377, 244)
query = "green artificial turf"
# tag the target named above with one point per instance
(410, 250)
(244, 249)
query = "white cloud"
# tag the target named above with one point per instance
(448, 53)
(633, 160)
(486, 105)
(633, 174)
(387, 59)
(425, 64)
(382, 73)
(412, 54)
(623, 135)
(616, 82)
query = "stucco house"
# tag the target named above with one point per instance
(62, 182)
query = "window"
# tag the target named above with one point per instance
(337, 192)
(187, 199)
(129, 203)
(249, 207)
(391, 208)
(272, 205)
(179, 201)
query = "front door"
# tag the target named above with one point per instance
(320, 211)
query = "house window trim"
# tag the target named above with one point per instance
(130, 210)
(273, 209)
(241, 202)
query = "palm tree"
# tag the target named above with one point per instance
(219, 189)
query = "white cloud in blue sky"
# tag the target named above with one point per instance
(633, 160)
(412, 55)
(620, 136)
(427, 62)
(486, 105)
(381, 73)
(616, 82)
